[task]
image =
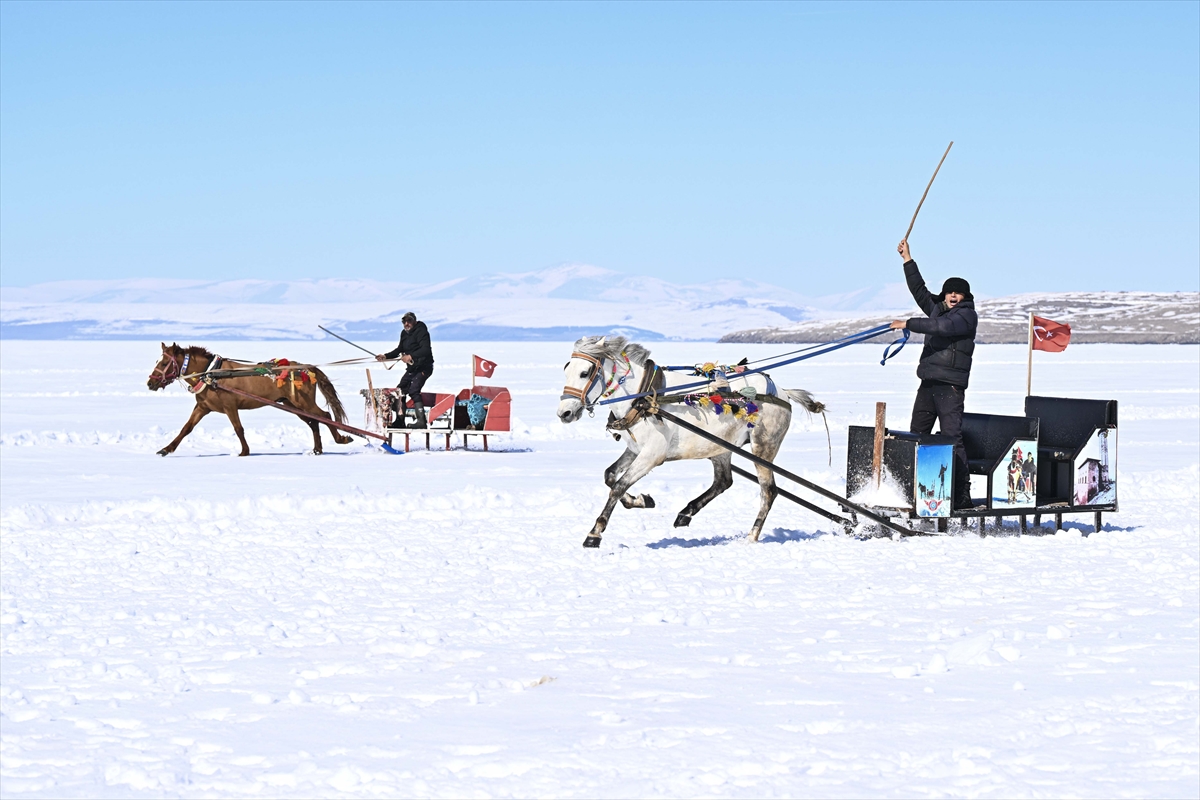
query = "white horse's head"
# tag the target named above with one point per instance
(588, 380)
(583, 377)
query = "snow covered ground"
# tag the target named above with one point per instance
(362, 624)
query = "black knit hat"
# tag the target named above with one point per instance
(411, 317)
(955, 285)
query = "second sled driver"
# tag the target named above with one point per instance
(416, 351)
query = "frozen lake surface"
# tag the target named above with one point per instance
(361, 624)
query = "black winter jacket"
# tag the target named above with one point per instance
(949, 333)
(415, 343)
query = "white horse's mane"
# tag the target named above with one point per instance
(611, 347)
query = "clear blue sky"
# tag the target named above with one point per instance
(782, 142)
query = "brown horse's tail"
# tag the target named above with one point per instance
(331, 395)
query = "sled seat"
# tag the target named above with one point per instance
(987, 438)
(1067, 426)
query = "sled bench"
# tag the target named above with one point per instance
(497, 413)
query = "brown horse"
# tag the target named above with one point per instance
(294, 389)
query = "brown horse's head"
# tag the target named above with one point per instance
(168, 367)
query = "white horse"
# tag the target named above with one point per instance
(611, 367)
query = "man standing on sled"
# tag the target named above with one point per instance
(945, 367)
(416, 351)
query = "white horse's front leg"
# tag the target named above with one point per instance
(649, 458)
(613, 473)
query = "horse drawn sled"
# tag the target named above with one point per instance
(480, 411)
(1059, 458)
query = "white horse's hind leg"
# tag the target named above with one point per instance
(722, 480)
(766, 441)
(649, 458)
(614, 472)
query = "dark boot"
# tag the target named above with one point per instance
(398, 410)
(419, 412)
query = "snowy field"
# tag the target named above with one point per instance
(360, 624)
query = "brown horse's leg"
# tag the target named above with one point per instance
(318, 448)
(236, 421)
(198, 413)
(313, 425)
(309, 405)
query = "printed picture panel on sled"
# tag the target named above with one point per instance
(935, 482)
(1014, 481)
(1096, 470)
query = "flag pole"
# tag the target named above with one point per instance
(1029, 367)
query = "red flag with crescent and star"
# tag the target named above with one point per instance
(1053, 337)
(483, 367)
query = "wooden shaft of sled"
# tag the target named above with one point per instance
(791, 476)
(877, 450)
(784, 493)
(918, 211)
(341, 426)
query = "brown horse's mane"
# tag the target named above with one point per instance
(194, 350)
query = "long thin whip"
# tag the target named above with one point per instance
(365, 350)
(918, 211)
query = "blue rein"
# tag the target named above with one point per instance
(818, 350)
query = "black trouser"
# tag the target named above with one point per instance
(944, 402)
(412, 383)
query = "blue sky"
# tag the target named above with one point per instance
(787, 143)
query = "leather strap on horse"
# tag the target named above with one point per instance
(652, 380)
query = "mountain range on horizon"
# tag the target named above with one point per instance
(557, 303)
(563, 282)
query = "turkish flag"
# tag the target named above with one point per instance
(483, 367)
(1053, 337)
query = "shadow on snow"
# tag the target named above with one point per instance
(777, 536)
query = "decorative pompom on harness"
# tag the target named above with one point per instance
(284, 371)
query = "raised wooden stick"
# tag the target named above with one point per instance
(877, 450)
(918, 211)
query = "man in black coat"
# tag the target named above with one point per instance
(416, 351)
(945, 367)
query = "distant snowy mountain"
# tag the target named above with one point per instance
(1111, 317)
(558, 303)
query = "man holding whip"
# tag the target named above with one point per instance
(945, 367)
(949, 327)
(414, 350)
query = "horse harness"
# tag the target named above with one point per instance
(595, 372)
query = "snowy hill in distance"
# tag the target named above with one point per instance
(557, 303)
(1095, 317)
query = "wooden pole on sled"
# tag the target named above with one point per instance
(877, 450)
(918, 211)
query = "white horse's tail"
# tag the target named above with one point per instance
(813, 406)
(809, 403)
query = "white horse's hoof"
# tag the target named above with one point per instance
(591, 541)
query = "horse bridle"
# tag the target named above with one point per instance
(595, 371)
(172, 369)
